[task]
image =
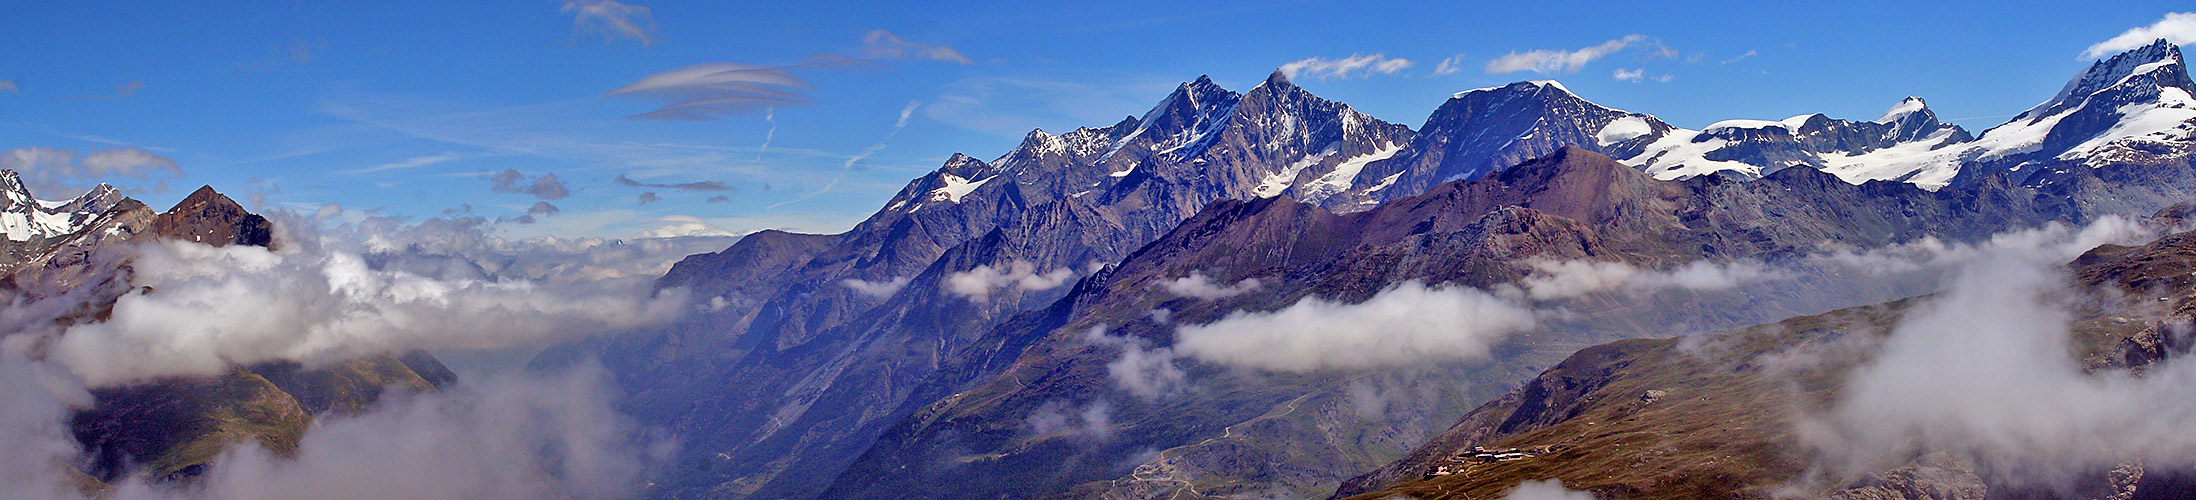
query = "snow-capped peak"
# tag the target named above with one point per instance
(1900, 111)
(2160, 62)
(23, 217)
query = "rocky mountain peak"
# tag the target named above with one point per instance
(16, 194)
(207, 216)
(2141, 72)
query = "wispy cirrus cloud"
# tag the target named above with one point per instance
(1450, 66)
(49, 170)
(1354, 66)
(413, 162)
(612, 19)
(2176, 27)
(881, 44)
(1569, 61)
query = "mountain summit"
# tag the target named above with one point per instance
(2134, 107)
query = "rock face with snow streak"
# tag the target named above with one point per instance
(2133, 108)
(1856, 151)
(1485, 130)
(28, 225)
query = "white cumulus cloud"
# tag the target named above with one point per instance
(1197, 285)
(978, 284)
(1408, 324)
(2176, 27)
(1354, 66)
(876, 289)
(1141, 370)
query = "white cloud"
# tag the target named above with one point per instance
(1141, 370)
(876, 289)
(1356, 65)
(1741, 57)
(1545, 490)
(1985, 369)
(248, 304)
(2177, 27)
(1404, 325)
(500, 437)
(674, 226)
(367, 288)
(1063, 419)
(1630, 75)
(978, 284)
(35, 404)
(1197, 285)
(707, 91)
(1450, 66)
(505, 437)
(881, 44)
(1551, 61)
(612, 19)
(9, 87)
(1553, 279)
(2054, 241)
(55, 170)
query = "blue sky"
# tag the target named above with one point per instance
(413, 108)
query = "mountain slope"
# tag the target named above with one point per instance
(1717, 415)
(819, 337)
(1245, 431)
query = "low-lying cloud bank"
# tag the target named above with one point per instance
(1409, 323)
(331, 296)
(1199, 286)
(1986, 370)
(505, 437)
(332, 291)
(978, 284)
(1412, 323)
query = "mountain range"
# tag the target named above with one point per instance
(1065, 319)
(915, 354)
